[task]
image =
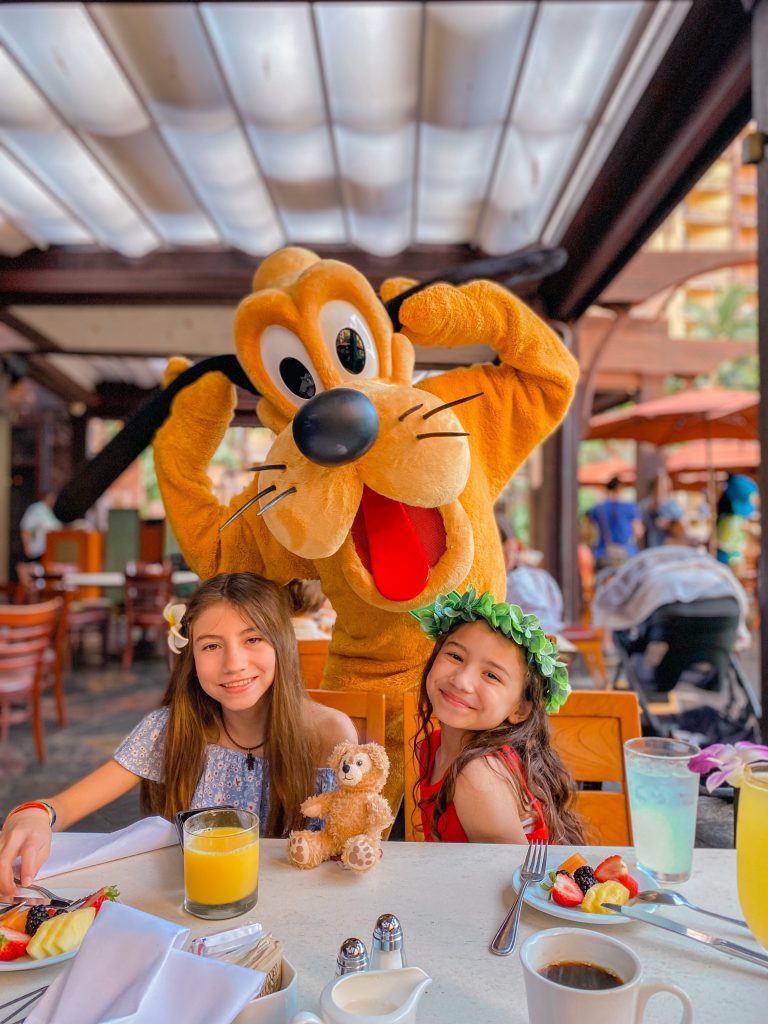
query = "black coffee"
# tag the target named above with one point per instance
(578, 974)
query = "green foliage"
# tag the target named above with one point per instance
(729, 315)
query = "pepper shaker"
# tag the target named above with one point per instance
(387, 950)
(352, 958)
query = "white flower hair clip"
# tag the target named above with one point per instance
(173, 614)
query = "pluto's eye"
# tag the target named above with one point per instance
(297, 378)
(349, 339)
(350, 349)
(288, 365)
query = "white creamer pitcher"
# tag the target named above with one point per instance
(371, 997)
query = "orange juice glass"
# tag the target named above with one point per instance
(221, 863)
(752, 848)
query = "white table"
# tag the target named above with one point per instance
(117, 579)
(450, 900)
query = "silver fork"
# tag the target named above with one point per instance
(533, 869)
(52, 896)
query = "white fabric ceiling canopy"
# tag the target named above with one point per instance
(138, 127)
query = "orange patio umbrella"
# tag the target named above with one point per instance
(597, 474)
(686, 416)
(725, 455)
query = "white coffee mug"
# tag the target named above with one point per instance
(552, 1003)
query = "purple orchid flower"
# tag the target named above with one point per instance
(726, 761)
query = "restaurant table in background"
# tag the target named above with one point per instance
(450, 899)
(117, 579)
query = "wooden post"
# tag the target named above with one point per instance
(760, 115)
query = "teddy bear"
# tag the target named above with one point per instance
(355, 814)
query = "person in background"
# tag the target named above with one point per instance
(619, 527)
(734, 509)
(536, 590)
(310, 610)
(36, 523)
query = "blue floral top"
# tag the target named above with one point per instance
(225, 779)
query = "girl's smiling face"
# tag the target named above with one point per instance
(234, 663)
(477, 679)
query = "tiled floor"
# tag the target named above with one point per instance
(103, 705)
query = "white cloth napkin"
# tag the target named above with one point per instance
(72, 850)
(130, 968)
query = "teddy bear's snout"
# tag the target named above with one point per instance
(346, 768)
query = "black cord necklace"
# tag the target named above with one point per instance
(250, 760)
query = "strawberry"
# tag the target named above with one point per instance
(95, 900)
(609, 869)
(629, 883)
(566, 891)
(12, 944)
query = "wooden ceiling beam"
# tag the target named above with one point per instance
(191, 276)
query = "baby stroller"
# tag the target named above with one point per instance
(677, 616)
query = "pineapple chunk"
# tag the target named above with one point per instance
(61, 934)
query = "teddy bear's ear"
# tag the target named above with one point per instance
(338, 752)
(378, 756)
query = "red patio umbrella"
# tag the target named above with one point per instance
(699, 456)
(597, 474)
(685, 416)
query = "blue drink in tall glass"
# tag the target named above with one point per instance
(663, 794)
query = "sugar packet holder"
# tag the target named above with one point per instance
(248, 946)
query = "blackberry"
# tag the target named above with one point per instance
(35, 917)
(585, 877)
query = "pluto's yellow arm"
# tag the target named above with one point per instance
(183, 449)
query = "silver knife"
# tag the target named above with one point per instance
(724, 945)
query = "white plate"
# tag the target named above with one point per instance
(538, 898)
(26, 963)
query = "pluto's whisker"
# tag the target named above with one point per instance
(443, 433)
(456, 401)
(247, 505)
(414, 408)
(263, 469)
(274, 501)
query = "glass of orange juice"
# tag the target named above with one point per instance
(221, 863)
(752, 848)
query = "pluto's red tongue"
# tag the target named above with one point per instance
(398, 561)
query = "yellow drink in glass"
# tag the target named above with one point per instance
(752, 848)
(221, 863)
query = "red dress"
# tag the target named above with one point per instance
(449, 826)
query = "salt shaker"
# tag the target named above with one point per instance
(387, 951)
(352, 958)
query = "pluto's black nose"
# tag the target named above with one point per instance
(336, 427)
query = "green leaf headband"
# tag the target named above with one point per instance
(509, 619)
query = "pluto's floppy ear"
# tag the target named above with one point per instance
(507, 270)
(96, 476)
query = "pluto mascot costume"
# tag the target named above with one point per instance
(381, 489)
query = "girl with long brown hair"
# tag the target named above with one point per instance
(487, 770)
(235, 727)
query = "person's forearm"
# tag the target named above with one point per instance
(101, 787)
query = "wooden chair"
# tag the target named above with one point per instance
(589, 734)
(148, 589)
(367, 710)
(79, 615)
(313, 655)
(26, 634)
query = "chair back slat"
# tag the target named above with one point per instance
(313, 654)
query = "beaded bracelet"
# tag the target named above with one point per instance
(41, 805)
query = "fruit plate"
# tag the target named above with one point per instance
(26, 963)
(538, 898)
